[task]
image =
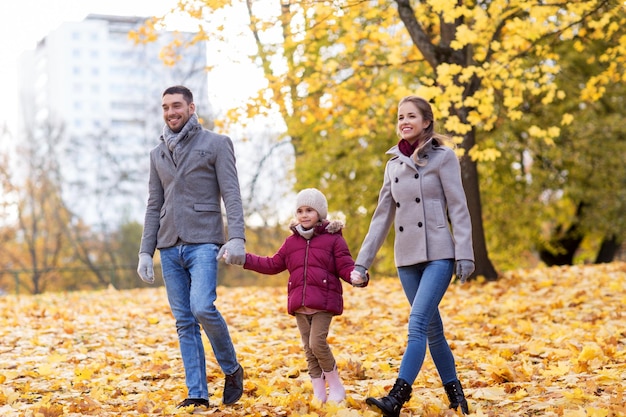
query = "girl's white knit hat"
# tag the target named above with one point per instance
(312, 197)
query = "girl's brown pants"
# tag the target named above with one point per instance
(314, 331)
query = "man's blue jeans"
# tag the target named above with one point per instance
(424, 285)
(190, 276)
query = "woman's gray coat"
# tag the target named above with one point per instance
(427, 206)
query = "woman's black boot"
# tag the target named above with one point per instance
(456, 396)
(391, 405)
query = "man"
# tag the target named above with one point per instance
(190, 171)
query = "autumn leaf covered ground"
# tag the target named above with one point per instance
(542, 342)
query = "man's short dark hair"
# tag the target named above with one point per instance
(180, 89)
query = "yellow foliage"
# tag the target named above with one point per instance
(487, 154)
(446, 8)
(567, 119)
(454, 124)
(464, 36)
(525, 344)
(556, 370)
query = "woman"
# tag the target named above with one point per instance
(422, 195)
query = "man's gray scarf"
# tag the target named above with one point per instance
(172, 139)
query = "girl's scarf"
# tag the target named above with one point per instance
(307, 234)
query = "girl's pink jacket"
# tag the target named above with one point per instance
(315, 267)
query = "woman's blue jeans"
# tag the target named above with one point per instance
(424, 285)
(190, 276)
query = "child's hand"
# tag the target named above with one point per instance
(225, 255)
(357, 279)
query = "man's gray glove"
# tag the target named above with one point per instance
(146, 268)
(464, 268)
(359, 276)
(235, 251)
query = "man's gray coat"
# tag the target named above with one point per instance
(184, 201)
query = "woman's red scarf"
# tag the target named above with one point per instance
(406, 148)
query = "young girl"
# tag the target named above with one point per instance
(316, 256)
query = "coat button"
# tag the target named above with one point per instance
(417, 175)
(398, 204)
(417, 200)
(401, 229)
(419, 224)
(396, 179)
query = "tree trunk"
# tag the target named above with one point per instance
(608, 249)
(469, 172)
(563, 245)
(568, 245)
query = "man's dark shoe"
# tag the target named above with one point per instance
(195, 402)
(233, 386)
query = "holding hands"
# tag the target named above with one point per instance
(359, 277)
(233, 252)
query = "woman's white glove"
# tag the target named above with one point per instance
(464, 268)
(233, 252)
(145, 269)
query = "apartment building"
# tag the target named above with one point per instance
(100, 92)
